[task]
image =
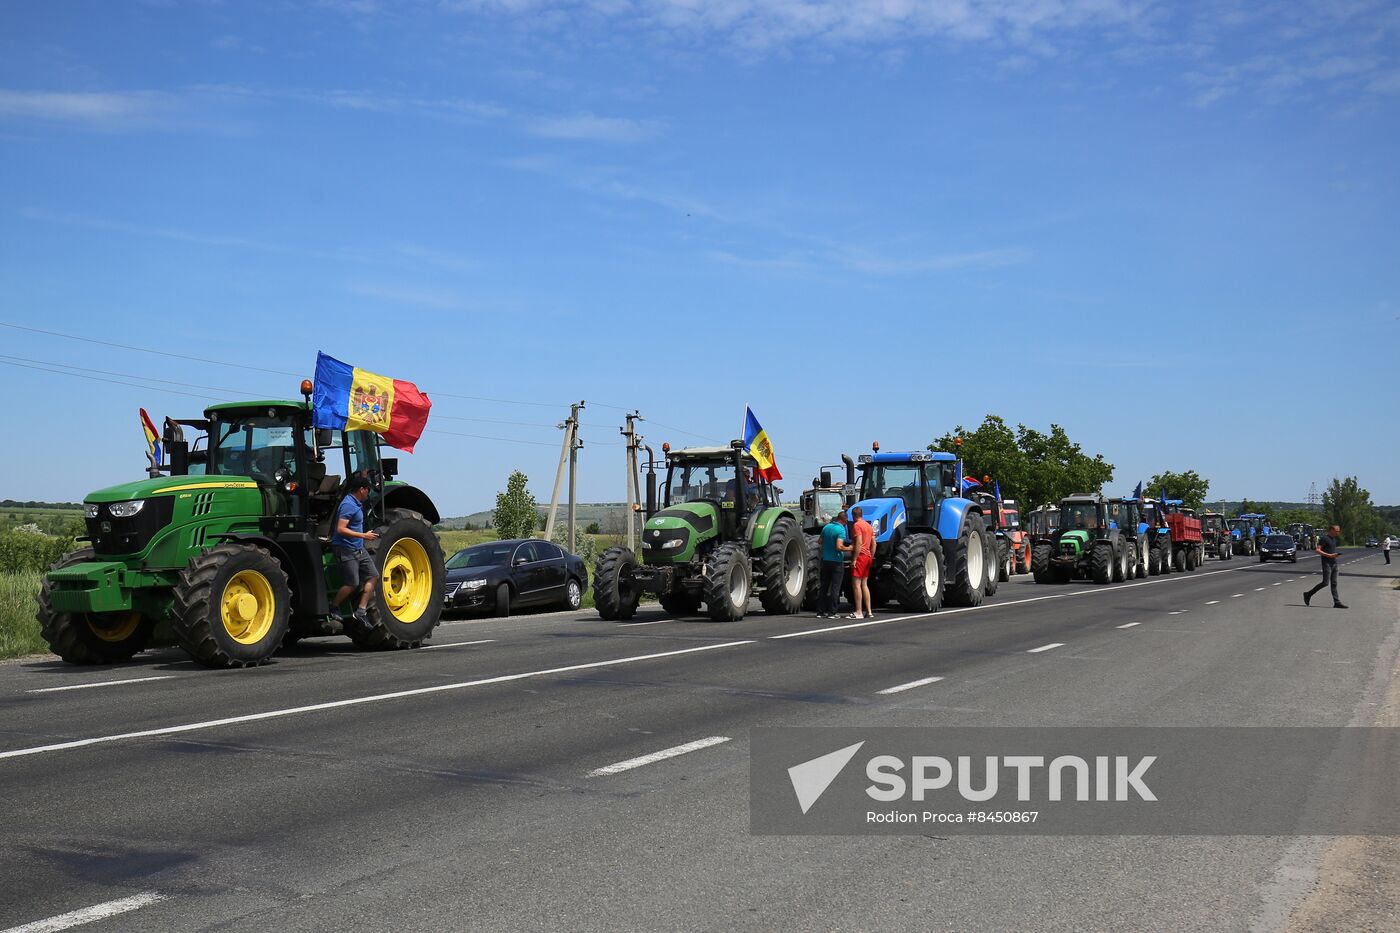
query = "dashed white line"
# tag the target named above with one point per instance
(1177, 612)
(1212, 602)
(1258, 589)
(1127, 625)
(356, 701)
(911, 685)
(1236, 595)
(89, 914)
(1053, 644)
(662, 755)
(100, 683)
(460, 644)
(1279, 583)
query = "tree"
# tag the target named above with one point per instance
(1347, 504)
(1190, 487)
(1031, 466)
(515, 515)
(592, 529)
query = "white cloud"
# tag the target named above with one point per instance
(591, 127)
(104, 110)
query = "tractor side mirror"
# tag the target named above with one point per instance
(389, 466)
(826, 479)
(324, 437)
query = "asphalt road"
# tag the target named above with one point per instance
(470, 785)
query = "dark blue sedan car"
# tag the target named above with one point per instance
(503, 575)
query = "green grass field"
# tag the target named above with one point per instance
(19, 632)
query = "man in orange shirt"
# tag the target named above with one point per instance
(863, 536)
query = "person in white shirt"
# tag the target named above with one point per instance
(1385, 548)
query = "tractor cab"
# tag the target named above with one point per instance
(1126, 514)
(827, 497)
(905, 489)
(710, 493)
(1084, 513)
(1213, 523)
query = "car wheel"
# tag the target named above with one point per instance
(503, 600)
(573, 594)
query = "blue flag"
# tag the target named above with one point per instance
(969, 483)
(996, 485)
(1137, 493)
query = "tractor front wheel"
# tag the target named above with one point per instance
(615, 592)
(783, 569)
(812, 589)
(90, 638)
(408, 600)
(232, 606)
(727, 583)
(994, 564)
(1101, 563)
(967, 563)
(1040, 564)
(919, 573)
(1004, 566)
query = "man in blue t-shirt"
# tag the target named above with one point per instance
(833, 566)
(348, 537)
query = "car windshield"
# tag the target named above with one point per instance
(1079, 515)
(693, 482)
(481, 555)
(1278, 541)
(252, 445)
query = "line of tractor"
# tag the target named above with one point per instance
(229, 543)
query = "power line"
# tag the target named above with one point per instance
(106, 372)
(123, 346)
(60, 372)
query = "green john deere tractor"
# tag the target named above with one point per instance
(1085, 546)
(232, 547)
(721, 537)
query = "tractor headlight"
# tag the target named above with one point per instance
(875, 525)
(90, 511)
(474, 584)
(126, 509)
(673, 543)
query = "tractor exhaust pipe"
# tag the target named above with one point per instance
(651, 481)
(850, 469)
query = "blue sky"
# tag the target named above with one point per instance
(1171, 230)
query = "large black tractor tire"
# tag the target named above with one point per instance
(992, 559)
(783, 569)
(681, 602)
(1154, 561)
(919, 575)
(1179, 559)
(96, 638)
(812, 589)
(728, 583)
(966, 575)
(1004, 566)
(615, 593)
(408, 597)
(1101, 563)
(232, 606)
(1040, 564)
(1169, 564)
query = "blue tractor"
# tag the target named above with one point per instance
(931, 542)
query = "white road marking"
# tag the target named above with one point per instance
(662, 755)
(1053, 644)
(1212, 602)
(640, 624)
(1127, 625)
(88, 914)
(911, 685)
(459, 644)
(1280, 583)
(1015, 602)
(356, 701)
(100, 683)
(1177, 612)
(1258, 589)
(1237, 596)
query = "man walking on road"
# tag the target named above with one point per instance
(1385, 548)
(357, 570)
(863, 537)
(833, 567)
(1327, 549)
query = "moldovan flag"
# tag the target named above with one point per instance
(148, 428)
(347, 398)
(758, 446)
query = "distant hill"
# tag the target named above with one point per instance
(604, 513)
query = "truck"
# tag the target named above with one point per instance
(931, 542)
(230, 545)
(720, 537)
(1215, 536)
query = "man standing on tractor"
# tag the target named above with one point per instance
(833, 566)
(864, 538)
(357, 570)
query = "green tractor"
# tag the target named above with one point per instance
(1085, 545)
(232, 548)
(721, 537)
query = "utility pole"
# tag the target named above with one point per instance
(567, 457)
(1312, 494)
(634, 497)
(573, 476)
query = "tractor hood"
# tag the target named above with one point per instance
(671, 535)
(168, 485)
(1077, 539)
(884, 515)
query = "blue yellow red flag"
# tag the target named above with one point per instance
(348, 398)
(152, 439)
(758, 446)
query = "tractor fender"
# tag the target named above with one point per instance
(403, 496)
(952, 516)
(300, 556)
(761, 524)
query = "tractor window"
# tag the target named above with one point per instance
(829, 503)
(1079, 515)
(1011, 517)
(893, 481)
(252, 445)
(693, 482)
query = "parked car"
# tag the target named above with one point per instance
(1372, 542)
(504, 575)
(1277, 547)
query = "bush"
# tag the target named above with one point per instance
(19, 630)
(583, 544)
(25, 551)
